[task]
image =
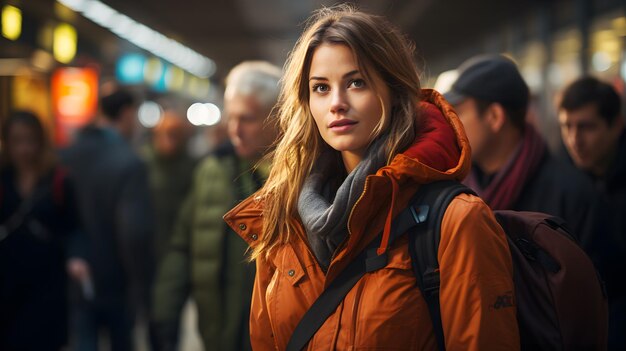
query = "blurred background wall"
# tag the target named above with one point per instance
(55, 56)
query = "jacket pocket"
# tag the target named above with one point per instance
(289, 266)
(289, 293)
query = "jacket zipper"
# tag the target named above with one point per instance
(355, 205)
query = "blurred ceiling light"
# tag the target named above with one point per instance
(143, 36)
(99, 12)
(601, 61)
(130, 69)
(192, 85)
(162, 84)
(120, 24)
(176, 78)
(214, 116)
(150, 114)
(76, 5)
(153, 70)
(198, 114)
(64, 43)
(11, 22)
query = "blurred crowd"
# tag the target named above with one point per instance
(103, 242)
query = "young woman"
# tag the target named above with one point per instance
(37, 227)
(358, 140)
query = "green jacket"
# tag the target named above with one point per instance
(207, 263)
(170, 181)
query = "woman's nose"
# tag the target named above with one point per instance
(339, 102)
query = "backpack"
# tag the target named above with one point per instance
(561, 302)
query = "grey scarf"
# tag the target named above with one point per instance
(324, 214)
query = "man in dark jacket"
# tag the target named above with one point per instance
(512, 166)
(113, 196)
(592, 129)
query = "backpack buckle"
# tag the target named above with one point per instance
(420, 213)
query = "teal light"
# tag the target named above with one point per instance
(130, 68)
(162, 84)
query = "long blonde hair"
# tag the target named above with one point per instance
(378, 47)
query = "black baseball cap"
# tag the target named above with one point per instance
(491, 78)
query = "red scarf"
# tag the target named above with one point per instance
(508, 183)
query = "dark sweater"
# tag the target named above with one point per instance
(113, 195)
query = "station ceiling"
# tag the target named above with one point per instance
(229, 31)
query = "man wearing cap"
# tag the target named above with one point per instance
(512, 166)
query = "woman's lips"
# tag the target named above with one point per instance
(342, 125)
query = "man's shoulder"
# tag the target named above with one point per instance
(224, 150)
(561, 175)
(213, 170)
(211, 162)
(618, 171)
(221, 159)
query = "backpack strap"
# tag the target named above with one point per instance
(367, 261)
(433, 198)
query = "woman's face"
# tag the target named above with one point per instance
(23, 144)
(346, 107)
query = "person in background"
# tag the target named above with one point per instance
(592, 129)
(170, 168)
(114, 199)
(205, 261)
(40, 239)
(358, 139)
(512, 168)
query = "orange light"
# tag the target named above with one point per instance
(74, 99)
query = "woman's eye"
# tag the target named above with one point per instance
(357, 83)
(320, 88)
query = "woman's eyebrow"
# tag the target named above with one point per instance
(351, 73)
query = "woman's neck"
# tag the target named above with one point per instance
(351, 160)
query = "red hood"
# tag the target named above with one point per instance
(440, 150)
(436, 144)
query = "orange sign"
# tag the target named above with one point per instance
(74, 99)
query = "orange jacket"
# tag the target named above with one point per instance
(385, 310)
